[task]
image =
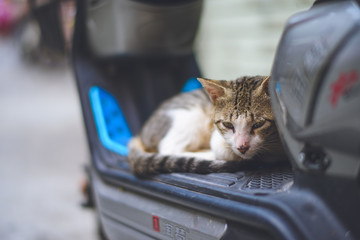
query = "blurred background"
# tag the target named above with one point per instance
(43, 148)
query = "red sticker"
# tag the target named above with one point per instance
(342, 85)
(156, 223)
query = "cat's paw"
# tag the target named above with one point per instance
(207, 155)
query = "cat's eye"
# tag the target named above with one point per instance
(258, 125)
(228, 125)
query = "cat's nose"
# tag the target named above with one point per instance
(243, 148)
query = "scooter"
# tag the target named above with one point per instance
(128, 56)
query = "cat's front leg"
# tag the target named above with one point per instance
(185, 134)
(221, 148)
(206, 155)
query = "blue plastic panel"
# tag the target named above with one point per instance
(111, 125)
(191, 84)
(114, 132)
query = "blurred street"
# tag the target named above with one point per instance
(42, 152)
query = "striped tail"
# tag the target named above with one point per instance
(145, 164)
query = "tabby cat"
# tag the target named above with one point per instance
(225, 126)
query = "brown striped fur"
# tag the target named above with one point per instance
(207, 130)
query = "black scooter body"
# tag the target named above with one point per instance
(278, 203)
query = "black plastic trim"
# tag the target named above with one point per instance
(239, 211)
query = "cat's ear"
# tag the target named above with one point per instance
(213, 87)
(265, 85)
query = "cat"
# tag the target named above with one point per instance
(226, 126)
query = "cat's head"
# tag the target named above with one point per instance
(243, 115)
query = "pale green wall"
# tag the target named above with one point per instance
(239, 37)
